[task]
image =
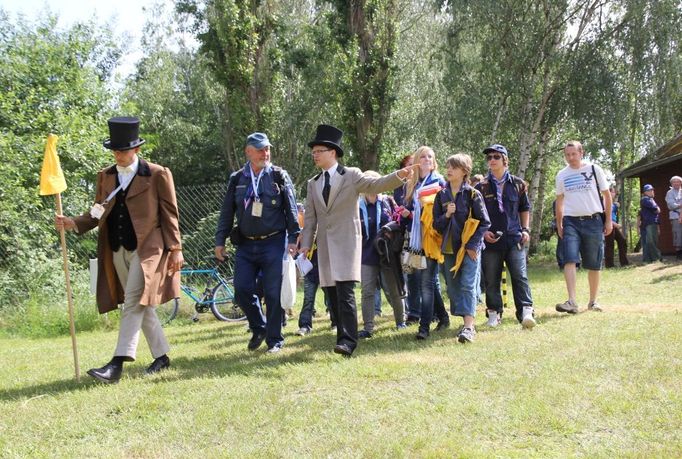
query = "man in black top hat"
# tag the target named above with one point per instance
(261, 198)
(331, 212)
(139, 249)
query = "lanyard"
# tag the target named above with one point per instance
(123, 185)
(255, 182)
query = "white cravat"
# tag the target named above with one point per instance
(127, 173)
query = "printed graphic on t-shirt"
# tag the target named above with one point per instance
(578, 182)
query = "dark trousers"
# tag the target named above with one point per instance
(618, 237)
(305, 318)
(266, 257)
(343, 312)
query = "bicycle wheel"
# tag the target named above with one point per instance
(167, 311)
(223, 306)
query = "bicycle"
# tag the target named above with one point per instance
(217, 295)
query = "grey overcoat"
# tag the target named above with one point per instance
(337, 225)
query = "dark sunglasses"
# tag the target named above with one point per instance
(491, 157)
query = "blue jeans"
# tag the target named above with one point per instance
(584, 241)
(414, 297)
(429, 280)
(492, 263)
(265, 256)
(305, 318)
(650, 251)
(463, 288)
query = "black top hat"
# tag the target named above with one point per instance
(124, 133)
(329, 136)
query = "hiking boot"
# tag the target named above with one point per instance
(567, 306)
(494, 318)
(528, 320)
(594, 306)
(466, 335)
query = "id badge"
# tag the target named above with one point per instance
(97, 211)
(257, 209)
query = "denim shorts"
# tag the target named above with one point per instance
(584, 241)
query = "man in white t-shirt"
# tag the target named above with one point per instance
(579, 212)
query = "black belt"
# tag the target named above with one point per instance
(260, 238)
(588, 217)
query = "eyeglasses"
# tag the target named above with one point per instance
(319, 152)
(491, 157)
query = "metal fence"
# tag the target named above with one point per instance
(199, 208)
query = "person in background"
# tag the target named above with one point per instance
(259, 216)
(673, 199)
(616, 236)
(374, 213)
(139, 248)
(419, 197)
(649, 224)
(476, 179)
(506, 200)
(582, 195)
(451, 209)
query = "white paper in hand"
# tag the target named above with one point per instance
(304, 265)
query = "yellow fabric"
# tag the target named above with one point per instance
(469, 229)
(431, 239)
(52, 179)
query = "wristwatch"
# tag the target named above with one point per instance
(525, 230)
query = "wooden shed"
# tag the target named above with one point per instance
(656, 168)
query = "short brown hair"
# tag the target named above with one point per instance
(460, 161)
(576, 144)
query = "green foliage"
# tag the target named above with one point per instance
(53, 81)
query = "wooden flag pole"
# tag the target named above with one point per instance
(69, 295)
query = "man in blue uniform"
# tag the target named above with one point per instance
(261, 197)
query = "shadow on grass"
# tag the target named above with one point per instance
(667, 278)
(232, 357)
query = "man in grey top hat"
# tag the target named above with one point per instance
(331, 213)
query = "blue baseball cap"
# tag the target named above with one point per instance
(647, 187)
(258, 140)
(496, 147)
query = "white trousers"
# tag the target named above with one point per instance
(134, 316)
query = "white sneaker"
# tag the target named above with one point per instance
(528, 320)
(493, 318)
(303, 331)
(594, 306)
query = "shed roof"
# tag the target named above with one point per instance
(669, 152)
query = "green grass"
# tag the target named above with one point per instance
(593, 384)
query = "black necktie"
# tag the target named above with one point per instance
(327, 188)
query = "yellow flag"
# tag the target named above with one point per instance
(52, 179)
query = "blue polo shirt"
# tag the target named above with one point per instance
(509, 221)
(650, 211)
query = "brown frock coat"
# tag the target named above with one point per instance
(153, 211)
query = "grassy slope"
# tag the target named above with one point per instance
(591, 384)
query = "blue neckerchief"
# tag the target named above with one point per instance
(365, 217)
(499, 184)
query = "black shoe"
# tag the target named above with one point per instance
(442, 325)
(364, 334)
(256, 340)
(108, 374)
(422, 334)
(157, 365)
(411, 320)
(343, 349)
